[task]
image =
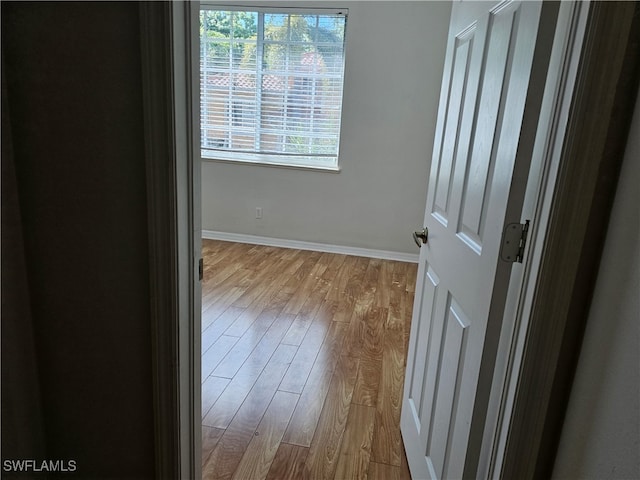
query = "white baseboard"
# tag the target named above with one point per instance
(318, 247)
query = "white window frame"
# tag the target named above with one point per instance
(326, 162)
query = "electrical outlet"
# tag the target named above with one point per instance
(258, 212)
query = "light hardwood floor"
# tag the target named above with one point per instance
(303, 359)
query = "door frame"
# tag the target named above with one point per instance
(571, 201)
(171, 131)
(583, 155)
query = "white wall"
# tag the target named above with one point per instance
(394, 60)
(601, 435)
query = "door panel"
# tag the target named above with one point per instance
(459, 78)
(453, 348)
(485, 89)
(423, 340)
(479, 169)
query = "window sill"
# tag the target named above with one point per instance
(208, 157)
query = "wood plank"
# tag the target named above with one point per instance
(367, 384)
(212, 357)
(355, 451)
(215, 262)
(329, 267)
(227, 455)
(409, 299)
(387, 445)
(323, 451)
(297, 331)
(218, 327)
(296, 378)
(232, 362)
(220, 266)
(216, 251)
(215, 275)
(340, 280)
(240, 278)
(210, 438)
(288, 463)
(381, 471)
(309, 260)
(223, 410)
(399, 276)
(262, 448)
(257, 344)
(212, 388)
(362, 310)
(213, 310)
(354, 338)
(307, 285)
(268, 297)
(213, 245)
(334, 266)
(412, 275)
(383, 287)
(404, 468)
(307, 313)
(245, 320)
(305, 418)
(397, 298)
(250, 381)
(270, 341)
(326, 311)
(273, 273)
(351, 290)
(265, 255)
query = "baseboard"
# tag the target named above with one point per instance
(318, 247)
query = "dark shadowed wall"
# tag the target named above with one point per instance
(79, 245)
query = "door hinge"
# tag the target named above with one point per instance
(514, 239)
(200, 270)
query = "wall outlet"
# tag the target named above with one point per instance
(258, 212)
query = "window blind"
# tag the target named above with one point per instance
(271, 85)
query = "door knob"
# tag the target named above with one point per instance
(421, 236)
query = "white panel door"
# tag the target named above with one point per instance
(459, 293)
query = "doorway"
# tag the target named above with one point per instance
(570, 205)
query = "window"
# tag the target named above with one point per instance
(271, 85)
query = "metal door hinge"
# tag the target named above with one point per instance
(200, 270)
(514, 239)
